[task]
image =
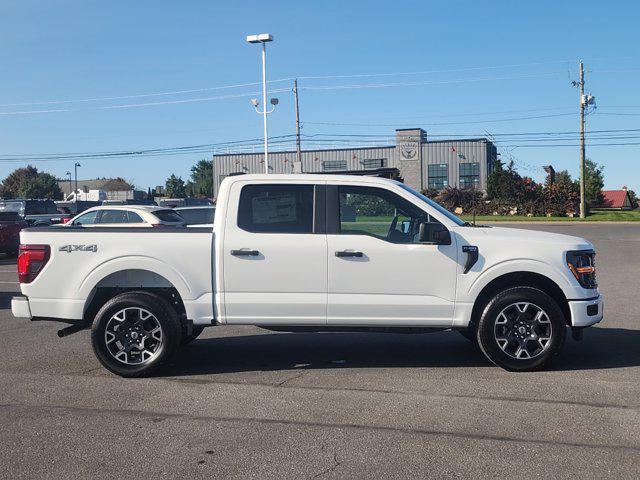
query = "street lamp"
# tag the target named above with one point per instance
(69, 174)
(263, 38)
(75, 166)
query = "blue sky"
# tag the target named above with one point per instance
(485, 67)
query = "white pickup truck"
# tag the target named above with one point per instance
(311, 253)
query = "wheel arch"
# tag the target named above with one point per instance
(132, 280)
(520, 279)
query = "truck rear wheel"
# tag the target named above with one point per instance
(521, 329)
(135, 333)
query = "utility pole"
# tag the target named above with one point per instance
(295, 96)
(583, 202)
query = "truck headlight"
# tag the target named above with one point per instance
(582, 265)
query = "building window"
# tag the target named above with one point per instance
(469, 175)
(334, 165)
(438, 175)
(372, 163)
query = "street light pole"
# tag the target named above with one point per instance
(69, 174)
(75, 166)
(264, 107)
(263, 38)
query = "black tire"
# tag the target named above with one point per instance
(163, 315)
(195, 333)
(505, 332)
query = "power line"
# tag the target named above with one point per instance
(431, 82)
(287, 79)
(142, 95)
(443, 123)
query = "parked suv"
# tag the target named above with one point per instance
(128, 216)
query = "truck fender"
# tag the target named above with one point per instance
(122, 264)
(519, 265)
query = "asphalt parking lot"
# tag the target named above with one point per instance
(245, 403)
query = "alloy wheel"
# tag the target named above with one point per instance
(523, 330)
(133, 336)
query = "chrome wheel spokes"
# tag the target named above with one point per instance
(133, 336)
(523, 330)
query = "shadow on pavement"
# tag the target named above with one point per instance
(5, 299)
(284, 351)
(601, 348)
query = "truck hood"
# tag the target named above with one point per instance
(515, 237)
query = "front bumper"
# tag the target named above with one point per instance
(586, 312)
(20, 307)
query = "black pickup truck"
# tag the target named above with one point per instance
(37, 213)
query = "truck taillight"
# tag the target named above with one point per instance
(65, 219)
(31, 260)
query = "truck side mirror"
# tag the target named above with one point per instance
(434, 233)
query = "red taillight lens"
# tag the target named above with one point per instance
(31, 260)
(65, 219)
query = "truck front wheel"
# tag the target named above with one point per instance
(134, 333)
(521, 329)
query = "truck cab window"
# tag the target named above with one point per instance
(379, 213)
(276, 208)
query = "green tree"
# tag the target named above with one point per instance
(594, 182)
(27, 182)
(633, 198)
(175, 187)
(505, 184)
(202, 179)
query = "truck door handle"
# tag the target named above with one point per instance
(245, 253)
(346, 253)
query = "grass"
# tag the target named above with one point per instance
(615, 216)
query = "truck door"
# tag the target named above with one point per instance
(275, 254)
(379, 273)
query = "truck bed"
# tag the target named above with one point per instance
(83, 260)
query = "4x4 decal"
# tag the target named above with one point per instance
(79, 248)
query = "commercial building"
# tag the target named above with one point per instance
(114, 188)
(419, 162)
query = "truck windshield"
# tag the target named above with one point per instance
(435, 205)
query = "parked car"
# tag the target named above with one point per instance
(129, 201)
(184, 202)
(10, 225)
(283, 257)
(197, 216)
(127, 216)
(36, 212)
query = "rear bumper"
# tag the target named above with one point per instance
(20, 307)
(586, 312)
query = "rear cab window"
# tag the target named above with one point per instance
(276, 208)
